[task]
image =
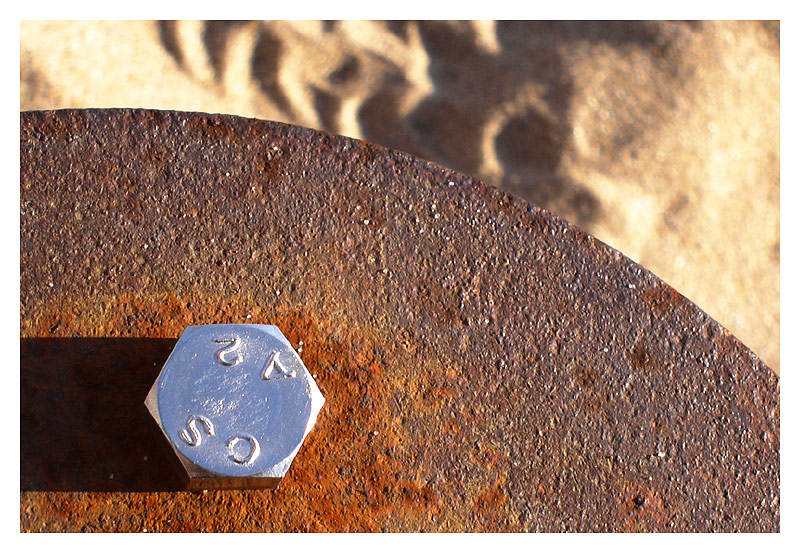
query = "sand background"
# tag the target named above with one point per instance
(660, 138)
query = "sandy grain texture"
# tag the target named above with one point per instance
(659, 138)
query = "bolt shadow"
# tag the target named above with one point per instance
(84, 426)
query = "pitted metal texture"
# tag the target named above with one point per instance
(487, 365)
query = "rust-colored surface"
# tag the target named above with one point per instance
(486, 365)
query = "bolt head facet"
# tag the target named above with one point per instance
(235, 403)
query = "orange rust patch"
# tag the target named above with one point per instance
(642, 509)
(488, 457)
(640, 358)
(663, 298)
(587, 380)
(586, 377)
(212, 127)
(489, 510)
(351, 473)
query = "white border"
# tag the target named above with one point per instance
(408, 9)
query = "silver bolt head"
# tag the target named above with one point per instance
(235, 402)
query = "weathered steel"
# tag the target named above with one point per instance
(486, 365)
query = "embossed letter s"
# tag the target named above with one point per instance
(191, 434)
(233, 348)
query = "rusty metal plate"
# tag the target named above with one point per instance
(486, 365)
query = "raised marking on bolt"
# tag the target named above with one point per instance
(275, 369)
(233, 348)
(235, 454)
(191, 434)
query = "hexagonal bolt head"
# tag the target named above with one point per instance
(235, 403)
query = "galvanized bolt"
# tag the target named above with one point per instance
(235, 402)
